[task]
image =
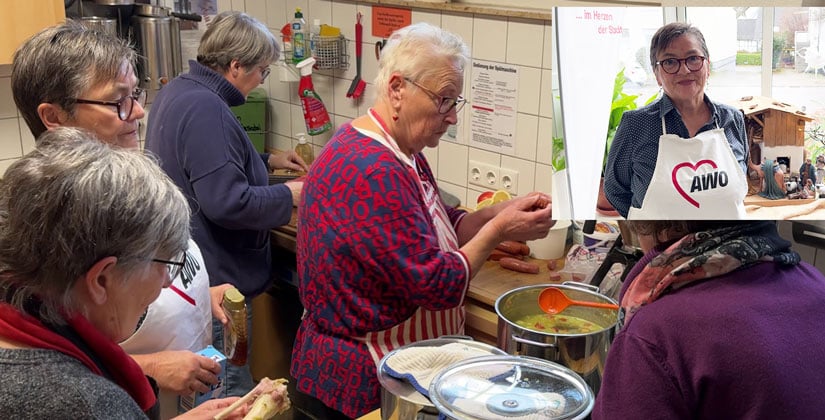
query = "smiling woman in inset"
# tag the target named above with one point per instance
(683, 156)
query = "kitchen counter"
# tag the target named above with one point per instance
(490, 283)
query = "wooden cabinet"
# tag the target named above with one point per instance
(21, 19)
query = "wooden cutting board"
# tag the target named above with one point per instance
(493, 280)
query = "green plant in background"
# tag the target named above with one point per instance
(815, 138)
(622, 102)
(558, 159)
(748, 58)
(778, 46)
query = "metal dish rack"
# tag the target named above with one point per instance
(330, 52)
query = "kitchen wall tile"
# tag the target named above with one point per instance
(461, 25)
(280, 120)
(432, 157)
(5, 70)
(276, 17)
(279, 142)
(319, 9)
(546, 94)
(10, 147)
(526, 173)
(7, 107)
(458, 191)
(224, 5)
(484, 156)
(433, 17)
(26, 137)
(343, 106)
(4, 164)
(291, 5)
(529, 79)
(544, 178)
(544, 145)
(297, 116)
(490, 38)
(343, 17)
(527, 134)
(277, 89)
(452, 163)
(546, 53)
(524, 42)
(257, 9)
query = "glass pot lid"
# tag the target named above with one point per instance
(510, 387)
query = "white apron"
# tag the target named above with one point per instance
(695, 178)
(423, 324)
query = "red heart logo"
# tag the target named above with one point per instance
(691, 166)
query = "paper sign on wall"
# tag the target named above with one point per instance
(385, 20)
(493, 105)
(587, 41)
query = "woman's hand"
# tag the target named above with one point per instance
(181, 372)
(216, 298)
(209, 409)
(523, 218)
(287, 160)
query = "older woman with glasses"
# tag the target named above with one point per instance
(382, 261)
(683, 156)
(89, 236)
(205, 150)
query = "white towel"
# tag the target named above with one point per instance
(420, 365)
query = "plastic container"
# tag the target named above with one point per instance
(300, 43)
(315, 113)
(314, 34)
(304, 149)
(552, 246)
(235, 338)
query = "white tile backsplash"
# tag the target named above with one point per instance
(10, 146)
(521, 42)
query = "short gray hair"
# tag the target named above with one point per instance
(413, 49)
(61, 62)
(74, 200)
(236, 36)
(666, 34)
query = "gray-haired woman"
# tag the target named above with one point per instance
(652, 172)
(89, 234)
(382, 260)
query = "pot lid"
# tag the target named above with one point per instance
(510, 387)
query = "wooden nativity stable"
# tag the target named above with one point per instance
(776, 131)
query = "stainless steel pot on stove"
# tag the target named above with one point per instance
(583, 353)
(107, 25)
(157, 38)
(399, 400)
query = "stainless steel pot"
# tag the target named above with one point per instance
(583, 353)
(399, 400)
(157, 39)
(107, 25)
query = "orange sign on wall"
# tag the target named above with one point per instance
(385, 20)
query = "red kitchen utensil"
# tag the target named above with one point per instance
(356, 89)
(552, 300)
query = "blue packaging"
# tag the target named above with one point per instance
(187, 402)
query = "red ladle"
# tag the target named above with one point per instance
(552, 300)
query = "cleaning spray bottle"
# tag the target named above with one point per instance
(315, 113)
(304, 149)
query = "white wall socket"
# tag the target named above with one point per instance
(509, 180)
(483, 175)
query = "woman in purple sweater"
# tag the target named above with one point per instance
(719, 320)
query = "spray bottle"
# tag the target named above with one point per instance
(315, 113)
(304, 149)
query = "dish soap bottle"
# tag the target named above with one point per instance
(299, 38)
(304, 149)
(316, 116)
(234, 332)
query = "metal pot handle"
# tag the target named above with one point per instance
(585, 286)
(518, 339)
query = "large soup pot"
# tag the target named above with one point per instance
(582, 352)
(399, 400)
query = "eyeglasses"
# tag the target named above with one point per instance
(445, 104)
(265, 70)
(173, 267)
(124, 106)
(672, 65)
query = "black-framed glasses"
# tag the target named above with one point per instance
(672, 65)
(173, 267)
(265, 70)
(445, 104)
(124, 106)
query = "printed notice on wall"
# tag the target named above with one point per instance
(493, 103)
(385, 20)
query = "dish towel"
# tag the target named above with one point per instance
(420, 365)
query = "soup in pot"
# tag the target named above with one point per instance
(562, 324)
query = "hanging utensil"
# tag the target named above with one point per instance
(356, 88)
(552, 301)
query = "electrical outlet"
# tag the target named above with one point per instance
(509, 180)
(483, 175)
